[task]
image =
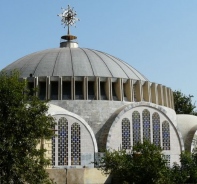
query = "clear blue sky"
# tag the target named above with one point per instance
(157, 37)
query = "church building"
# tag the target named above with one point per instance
(100, 103)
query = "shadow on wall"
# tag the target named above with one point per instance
(187, 125)
(79, 176)
(102, 134)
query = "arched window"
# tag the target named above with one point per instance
(156, 129)
(62, 146)
(75, 144)
(126, 140)
(146, 125)
(62, 141)
(166, 135)
(136, 127)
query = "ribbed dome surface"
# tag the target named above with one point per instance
(74, 62)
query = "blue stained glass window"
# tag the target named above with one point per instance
(156, 129)
(136, 127)
(62, 141)
(75, 144)
(166, 135)
(126, 142)
(146, 125)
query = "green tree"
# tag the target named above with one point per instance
(187, 171)
(144, 164)
(183, 104)
(23, 124)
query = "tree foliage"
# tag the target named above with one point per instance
(187, 171)
(183, 104)
(23, 124)
(144, 164)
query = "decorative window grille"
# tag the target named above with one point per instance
(53, 151)
(167, 158)
(126, 140)
(156, 129)
(136, 127)
(75, 144)
(146, 125)
(62, 147)
(194, 142)
(62, 142)
(166, 135)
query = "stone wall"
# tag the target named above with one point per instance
(78, 176)
(94, 112)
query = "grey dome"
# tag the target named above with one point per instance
(74, 62)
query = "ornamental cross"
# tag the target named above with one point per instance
(68, 17)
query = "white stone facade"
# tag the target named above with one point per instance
(100, 102)
(101, 127)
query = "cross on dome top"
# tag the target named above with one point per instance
(68, 17)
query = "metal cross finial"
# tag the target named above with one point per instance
(68, 17)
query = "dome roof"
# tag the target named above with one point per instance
(74, 62)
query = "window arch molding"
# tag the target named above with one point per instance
(81, 121)
(57, 112)
(126, 112)
(87, 145)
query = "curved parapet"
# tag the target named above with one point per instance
(187, 125)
